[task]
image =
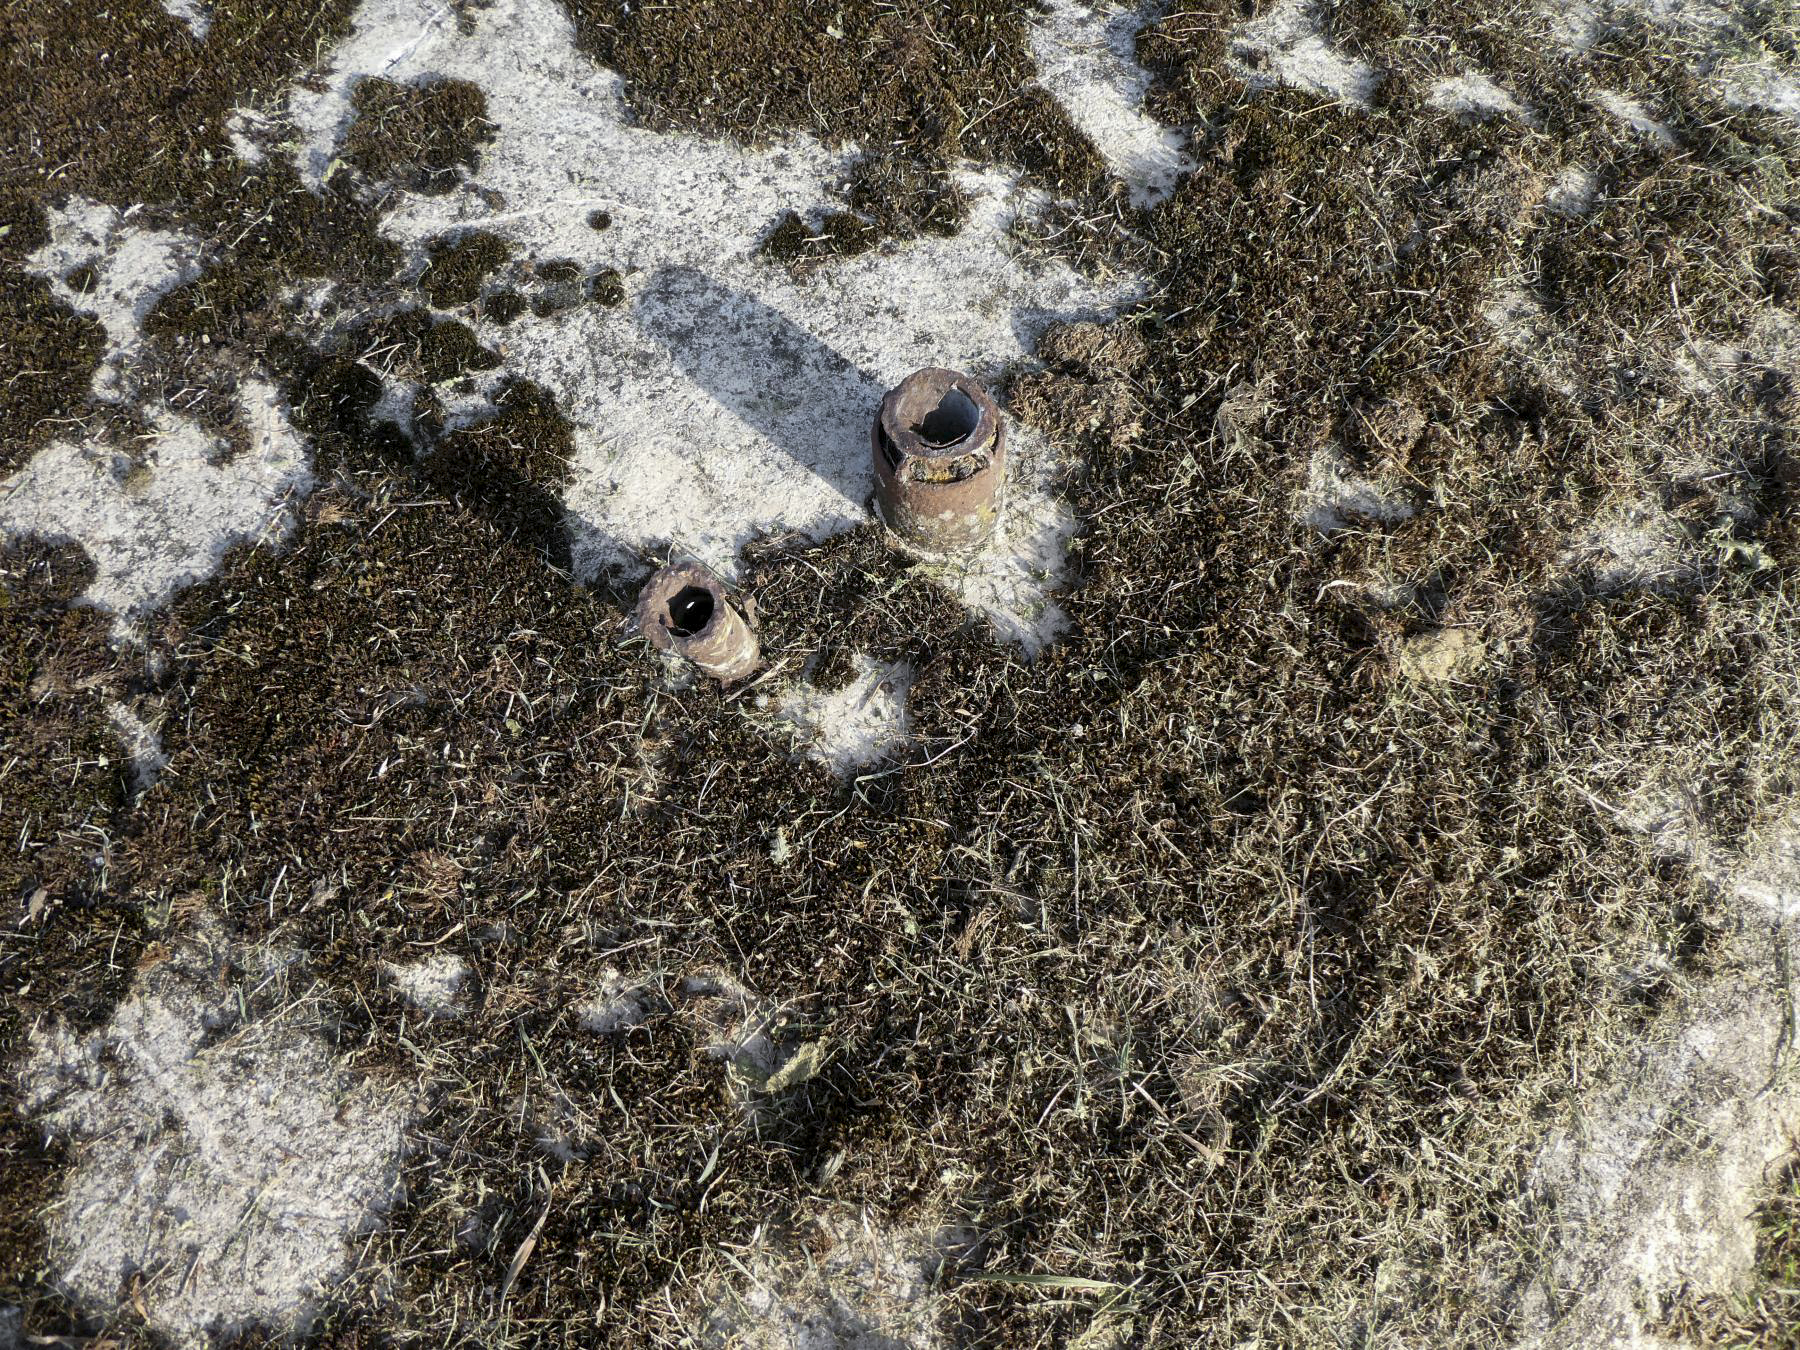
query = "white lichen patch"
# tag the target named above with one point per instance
(849, 1283)
(1574, 192)
(1652, 1185)
(1087, 60)
(1767, 873)
(1649, 1187)
(856, 726)
(435, 985)
(1335, 496)
(726, 395)
(1286, 45)
(162, 518)
(101, 264)
(1476, 97)
(222, 1159)
(1522, 325)
(1636, 116)
(142, 742)
(1634, 545)
(619, 1004)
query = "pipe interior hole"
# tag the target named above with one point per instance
(954, 419)
(690, 611)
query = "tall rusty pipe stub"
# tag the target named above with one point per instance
(684, 609)
(939, 445)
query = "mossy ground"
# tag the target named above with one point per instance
(1207, 957)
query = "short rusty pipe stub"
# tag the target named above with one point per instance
(684, 609)
(939, 445)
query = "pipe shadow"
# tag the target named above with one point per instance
(806, 399)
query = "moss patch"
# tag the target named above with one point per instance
(415, 345)
(456, 267)
(416, 136)
(48, 356)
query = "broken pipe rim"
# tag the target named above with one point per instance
(724, 645)
(942, 496)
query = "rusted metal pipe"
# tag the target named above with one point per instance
(939, 445)
(684, 609)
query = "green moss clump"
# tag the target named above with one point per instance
(840, 234)
(455, 268)
(607, 287)
(449, 349)
(503, 306)
(417, 136)
(48, 356)
(559, 287)
(416, 345)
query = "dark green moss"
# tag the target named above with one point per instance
(415, 345)
(449, 349)
(559, 271)
(839, 234)
(559, 286)
(456, 267)
(417, 136)
(48, 356)
(125, 107)
(503, 305)
(607, 287)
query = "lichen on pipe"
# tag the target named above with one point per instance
(684, 609)
(939, 445)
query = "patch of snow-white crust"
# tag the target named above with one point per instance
(1087, 60)
(1335, 496)
(1286, 45)
(435, 985)
(1634, 1213)
(727, 395)
(858, 725)
(222, 1159)
(163, 518)
(856, 1285)
(1476, 97)
(143, 743)
(1649, 1186)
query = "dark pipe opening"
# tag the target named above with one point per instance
(690, 611)
(954, 419)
